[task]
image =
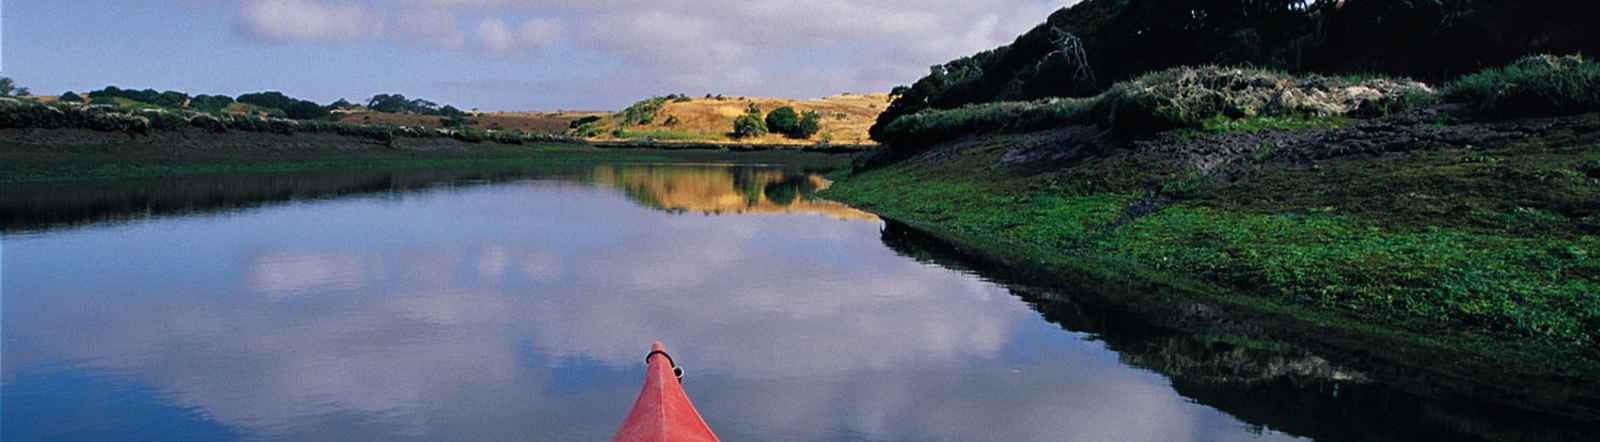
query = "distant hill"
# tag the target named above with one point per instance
(845, 119)
(547, 123)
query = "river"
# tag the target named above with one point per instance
(508, 305)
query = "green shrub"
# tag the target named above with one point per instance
(507, 137)
(165, 120)
(208, 123)
(1188, 97)
(644, 111)
(471, 135)
(583, 121)
(1214, 98)
(783, 120)
(749, 126)
(809, 125)
(588, 130)
(71, 97)
(1535, 85)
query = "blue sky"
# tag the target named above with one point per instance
(500, 54)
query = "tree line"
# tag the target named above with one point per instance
(271, 102)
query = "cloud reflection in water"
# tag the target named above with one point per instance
(519, 310)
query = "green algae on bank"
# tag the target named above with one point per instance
(1476, 262)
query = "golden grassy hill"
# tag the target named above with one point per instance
(846, 119)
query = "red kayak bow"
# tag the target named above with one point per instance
(663, 412)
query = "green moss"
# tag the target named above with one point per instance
(1497, 243)
(1520, 286)
(1523, 190)
(1221, 124)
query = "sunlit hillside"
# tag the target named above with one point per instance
(845, 120)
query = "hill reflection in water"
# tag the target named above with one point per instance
(709, 189)
(724, 190)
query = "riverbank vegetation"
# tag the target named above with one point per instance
(1533, 86)
(1324, 187)
(1208, 97)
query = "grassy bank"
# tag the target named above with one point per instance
(145, 158)
(1483, 256)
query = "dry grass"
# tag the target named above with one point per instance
(845, 118)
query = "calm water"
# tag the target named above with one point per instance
(509, 305)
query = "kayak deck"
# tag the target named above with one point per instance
(663, 412)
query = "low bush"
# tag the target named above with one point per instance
(644, 112)
(471, 135)
(749, 126)
(1210, 98)
(164, 120)
(588, 130)
(1188, 97)
(1538, 85)
(208, 123)
(583, 121)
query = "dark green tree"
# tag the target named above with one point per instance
(342, 104)
(210, 103)
(70, 96)
(291, 107)
(395, 103)
(809, 125)
(9, 88)
(783, 120)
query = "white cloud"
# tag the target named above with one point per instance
(722, 46)
(431, 27)
(496, 36)
(306, 20)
